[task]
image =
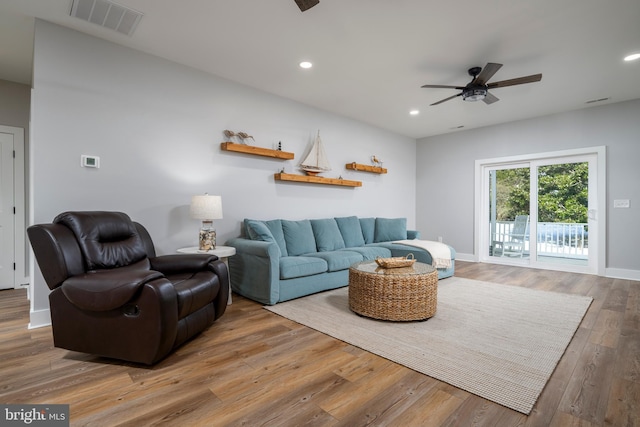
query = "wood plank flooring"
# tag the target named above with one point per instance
(255, 368)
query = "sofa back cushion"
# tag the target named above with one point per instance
(368, 226)
(390, 229)
(327, 235)
(267, 231)
(351, 231)
(298, 236)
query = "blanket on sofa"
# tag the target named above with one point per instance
(440, 253)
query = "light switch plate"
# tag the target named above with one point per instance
(622, 203)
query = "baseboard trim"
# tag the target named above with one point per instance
(621, 273)
(614, 273)
(39, 319)
(466, 257)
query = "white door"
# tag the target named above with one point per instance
(7, 216)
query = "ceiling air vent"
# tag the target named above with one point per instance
(107, 14)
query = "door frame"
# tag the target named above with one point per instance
(600, 209)
(20, 277)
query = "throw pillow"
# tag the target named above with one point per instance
(258, 230)
(269, 231)
(390, 229)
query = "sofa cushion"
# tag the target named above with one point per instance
(368, 226)
(267, 231)
(298, 235)
(258, 230)
(370, 253)
(300, 266)
(390, 229)
(275, 226)
(327, 234)
(337, 260)
(351, 231)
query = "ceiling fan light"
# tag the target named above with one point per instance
(473, 95)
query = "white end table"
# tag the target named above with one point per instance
(222, 252)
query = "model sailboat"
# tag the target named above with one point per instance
(316, 161)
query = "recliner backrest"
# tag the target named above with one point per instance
(106, 239)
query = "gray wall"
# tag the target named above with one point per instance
(445, 171)
(157, 128)
(15, 101)
(14, 105)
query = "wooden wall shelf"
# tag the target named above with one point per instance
(316, 180)
(365, 168)
(258, 151)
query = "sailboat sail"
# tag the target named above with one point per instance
(316, 161)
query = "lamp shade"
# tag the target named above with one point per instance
(206, 207)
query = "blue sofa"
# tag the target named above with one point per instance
(279, 260)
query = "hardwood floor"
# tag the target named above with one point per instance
(255, 368)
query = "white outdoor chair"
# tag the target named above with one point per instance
(513, 246)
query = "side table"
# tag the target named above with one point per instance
(222, 252)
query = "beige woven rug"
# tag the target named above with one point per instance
(496, 341)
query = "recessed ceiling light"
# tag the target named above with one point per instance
(632, 57)
(414, 112)
(306, 64)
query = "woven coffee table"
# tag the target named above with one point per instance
(399, 294)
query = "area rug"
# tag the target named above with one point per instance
(499, 342)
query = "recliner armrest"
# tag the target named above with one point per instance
(171, 264)
(106, 289)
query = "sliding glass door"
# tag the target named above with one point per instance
(540, 212)
(509, 188)
(562, 232)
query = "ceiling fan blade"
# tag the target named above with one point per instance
(517, 81)
(487, 72)
(446, 99)
(490, 98)
(443, 87)
(306, 4)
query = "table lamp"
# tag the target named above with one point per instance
(206, 208)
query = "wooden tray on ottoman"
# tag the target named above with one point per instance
(398, 294)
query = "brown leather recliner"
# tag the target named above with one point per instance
(112, 296)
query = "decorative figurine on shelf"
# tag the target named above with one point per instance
(279, 145)
(242, 135)
(375, 161)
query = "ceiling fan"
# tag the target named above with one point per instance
(478, 88)
(306, 4)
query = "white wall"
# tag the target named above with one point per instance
(157, 128)
(445, 172)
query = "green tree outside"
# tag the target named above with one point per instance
(562, 193)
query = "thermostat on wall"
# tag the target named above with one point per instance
(89, 161)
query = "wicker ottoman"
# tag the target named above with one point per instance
(399, 294)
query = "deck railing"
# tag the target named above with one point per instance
(556, 239)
